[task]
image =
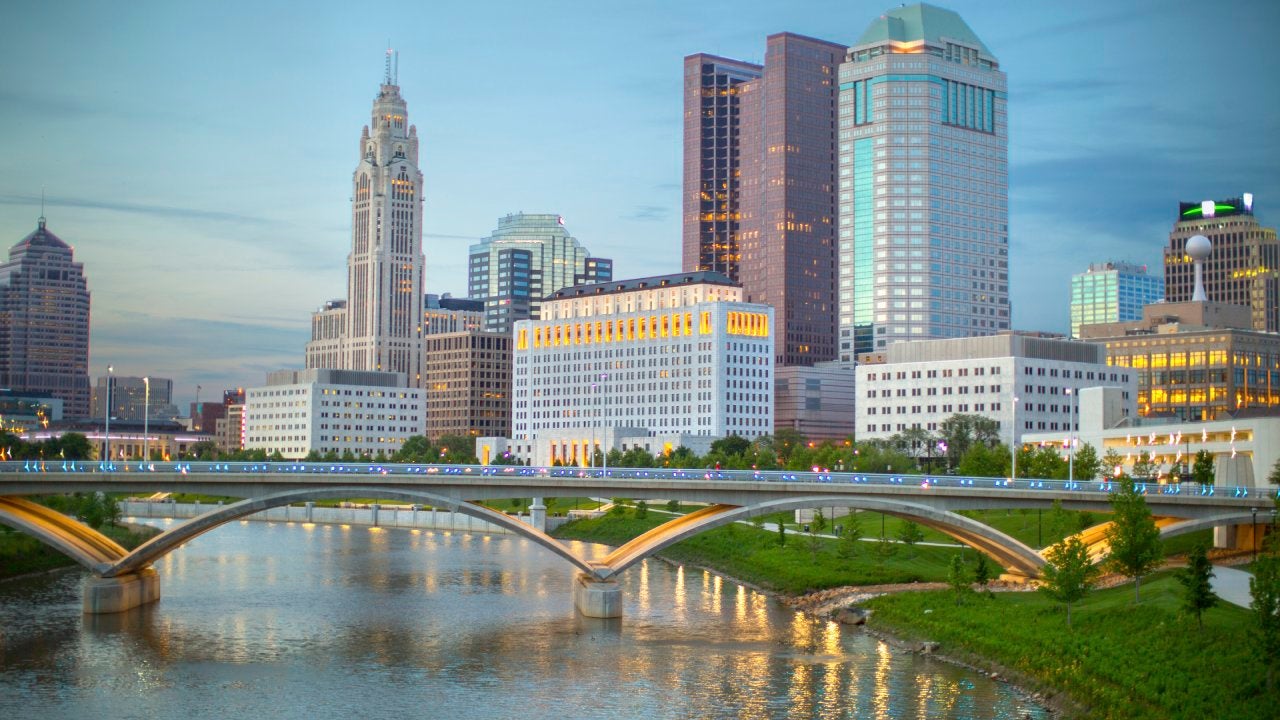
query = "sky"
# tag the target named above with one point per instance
(198, 156)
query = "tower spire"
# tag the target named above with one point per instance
(386, 75)
(42, 220)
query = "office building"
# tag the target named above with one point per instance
(712, 158)
(528, 257)
(1025, 382)
(378, 325)
(44, 321)
(817, 401)
(1112, 292)
(1244, 268)
(21, 412)
(331, 411)
(451, 315)
(130, 401)
(169, 440)
(468, 389)
(923, 237)
(675, 355)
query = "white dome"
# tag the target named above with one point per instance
(1199, 247)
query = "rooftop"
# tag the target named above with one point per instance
(41, 237)
(921, 22)
(701, 277)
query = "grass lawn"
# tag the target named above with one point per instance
(1118, 660)
(21, 554)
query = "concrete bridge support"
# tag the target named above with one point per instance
(596, 598)
(104, 595)
(538, 515)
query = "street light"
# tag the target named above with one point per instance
(1254, 536)
(1013, 438)
(146, 415)
(106, 434)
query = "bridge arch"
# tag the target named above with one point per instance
(88, 547)
(1009, 552)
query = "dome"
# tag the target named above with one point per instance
(1199, 247)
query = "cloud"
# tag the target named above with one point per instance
(648, 213)
(1057, 30)
(163, 211)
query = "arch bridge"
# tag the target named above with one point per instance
(122, 579)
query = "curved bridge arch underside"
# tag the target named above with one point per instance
(105, 558)
(1095, 537)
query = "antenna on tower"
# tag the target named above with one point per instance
(386, 76)
(396, 70)
(42, 221)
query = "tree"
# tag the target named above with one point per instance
(983, 573)
(457, 449)
(786, 441)
(673, 506)
(203, 450)
(1197, 592)
(683, 457)
(1068, 574)
(819, 522)
(910, 534)
(1112, 463)
(74, 446)
(1133, 536)
(983, 460)
(1059, 522)
(1274, 477)
(1144, 467)
(417, 449)
(1202, 468)
(914, 442)
(961, 431)
(782, 534)
(959, 578)
(1087, 464)
(730, 445)
(1264, 588)
(850, 536)
(642, 510)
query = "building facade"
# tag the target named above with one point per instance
(366, 413)
(786, 232)
(1112, 292)
(130, 400)
(44, 321)
(468, 390)
(672, 355)
(451, 315)
(712, 158)
(1244, 268)
(817, 401)
(169, 440)
(528, 257)
(923, 239)
(381, 319)
(1024, 382)
(229, 429)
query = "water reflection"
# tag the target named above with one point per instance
(286, 620)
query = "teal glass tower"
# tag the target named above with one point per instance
(923, 234)
(1112, 292)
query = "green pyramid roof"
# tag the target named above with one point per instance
(921, 22)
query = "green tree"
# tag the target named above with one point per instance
(1111, 461)
(682, 457)
(75, 446)
(1144, 468)
(642, 510)
(1197, 591)
(730, 445)
(909, 534)
(1133, 536)
(961, 431)
(1087, 464)
(1068, 574)
(673, 506)
(885, 548)
(1202, 468)
(417, 449)
(785, 442)
(758, 521)
(850, 536)
(983, 573)
(457, 449)
(637, 457)
(959, 577)
(1274, 477)
(203, 450)
(1045, 463)
(914, 442)
(782, 534)
(983, 460)
(819, 522)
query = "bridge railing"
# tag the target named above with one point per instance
(299, 467)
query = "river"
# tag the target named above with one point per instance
(289, 620)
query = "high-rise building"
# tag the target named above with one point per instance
(44, 321)
(711, 161)
(130, 399)
(1244, 268)
(1112, 292)
(786, 235)
(528, 257)
(468, 391)
(381, 321)
(451, 315)
(923, 237)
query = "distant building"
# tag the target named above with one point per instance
(674, 356)
(468, 384)
(229, 429)
(451, 315)
(22, 412)
(818, 401)
(1112, 292)
(128, 441)
(326, 410)
(1244, 268)
(1024, 382)
(129, 398)
(923, 238)
(528, 257)
(44, 322)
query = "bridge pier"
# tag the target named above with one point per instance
(124, 592)
(597, 598)
(538, 515)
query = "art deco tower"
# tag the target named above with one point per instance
(380, 326)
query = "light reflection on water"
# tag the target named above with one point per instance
(296, 621)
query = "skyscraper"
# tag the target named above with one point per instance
(923, 237)
(1244, 268)
(381, 322)
(711, 160)
(528, 257)
(786, 235)
(44, 321)
(1112, 292)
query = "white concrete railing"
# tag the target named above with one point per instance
(392, 517)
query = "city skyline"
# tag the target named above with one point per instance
(192, 174)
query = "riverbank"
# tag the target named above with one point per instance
(22, 555)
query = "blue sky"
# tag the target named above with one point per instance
(198, 156)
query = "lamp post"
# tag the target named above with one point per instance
(146, 416)
(1013, 438)
(1253, 539)
(106, 433)
(1071, 437)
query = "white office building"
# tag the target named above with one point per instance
(364, 412)
(1026, 382)
(674, 356)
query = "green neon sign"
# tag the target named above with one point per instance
(1217, 208)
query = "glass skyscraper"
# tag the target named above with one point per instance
(923, 235)
(1112, 292)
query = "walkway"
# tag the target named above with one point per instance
(1231, 585)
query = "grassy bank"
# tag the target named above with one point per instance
(1118, 660)
(22, 554)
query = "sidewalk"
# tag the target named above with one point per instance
(1231, 585)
